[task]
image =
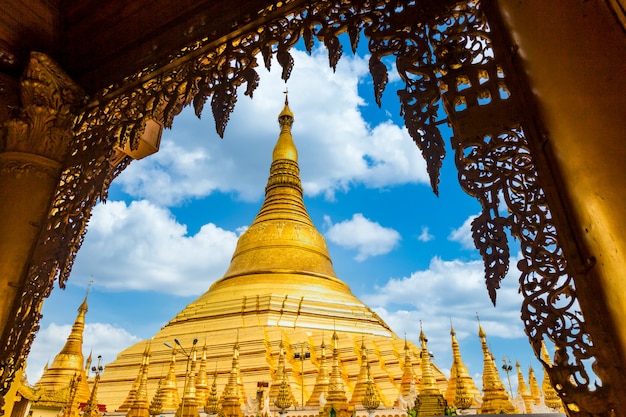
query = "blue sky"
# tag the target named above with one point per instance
(172, 220)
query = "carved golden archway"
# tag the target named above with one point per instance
(451, 54)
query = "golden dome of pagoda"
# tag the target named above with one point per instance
(280, 287)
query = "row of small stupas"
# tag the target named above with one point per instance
(280, 291)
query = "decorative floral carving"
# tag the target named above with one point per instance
(443, 52)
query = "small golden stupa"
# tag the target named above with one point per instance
(462, 392)
(495, 398)
(68, 365)
(280, 286)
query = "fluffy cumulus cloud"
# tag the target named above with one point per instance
(338, 148)
(105, 339)
(367, 237)
(453, 289)
(425, 236)
(463, 234)
(142, 247)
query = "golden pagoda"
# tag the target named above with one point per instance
(495, 398)
(231, 397)
(462, 391)
(430, 401)
(363, 379)
(522, 390)
(69, 364)
(280, 285)
(535, 391)
(550, 398)
(320, 389)
(139, 400)
(202, 383)
(212, 405)
(280, 377)
(337, 401)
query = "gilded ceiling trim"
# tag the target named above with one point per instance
(444, 52)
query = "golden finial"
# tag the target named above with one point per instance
(156, 405)
(371, 401)
(550, 396)
(212, 405)
(495, 399)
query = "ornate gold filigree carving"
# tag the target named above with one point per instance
(443, 52)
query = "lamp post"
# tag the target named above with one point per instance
(189, 354)
(508, 368)
(302, 355)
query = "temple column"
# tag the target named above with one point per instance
(33, 144)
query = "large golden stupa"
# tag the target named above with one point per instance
(280, 289)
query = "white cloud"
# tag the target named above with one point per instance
(338, 148)
(448, 289)
(103, 338)
(463, 234)
(367, 237)
(425, 236)
(143, 247)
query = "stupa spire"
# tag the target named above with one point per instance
(139, 406)
(522, 389)
(69, 362)
(231, 398)
(156, 407)
(212, 404)
(550, 397)
(322, 380)
(362, 380)
(461, 388)
(495, 398)
(407, 383)
(202, 383)
(535, 391)
(189, 404)
(168, 395)
(430, 401)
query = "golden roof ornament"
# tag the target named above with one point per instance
(322, 381)
(522, 389)
(280, 376)
(495, 398)
(69, 362)
(212, 404)
(535, 391)
(139, 406)
(283, 399)
(430, 401)
(550, 397)
(336, 402)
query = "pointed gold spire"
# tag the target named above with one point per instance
(550, 398)
(322, 380)
(202, 383)
(371, 401)
(358, 394)
(522, 389)
(430, 401)
(231, 397)
(535, 391)
(168, 395)
(156, 406)
(284, 398)
(189, 404)
(139, 405)
(69, 362)
(461, 389)
(408, 375)
(212, 404)
(337, 402)
(280, 376)
(88, 363)
(495, 398)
